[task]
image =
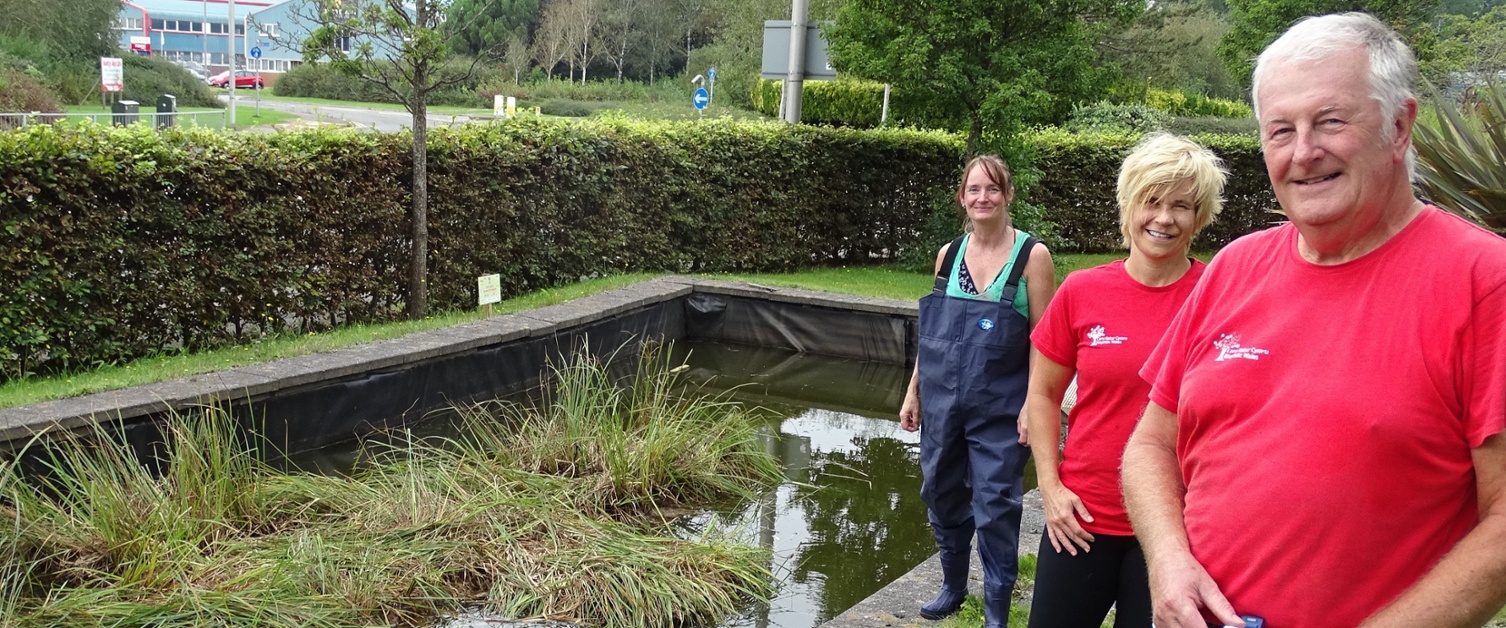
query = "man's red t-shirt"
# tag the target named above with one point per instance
(1103, 324)
(1326, 414)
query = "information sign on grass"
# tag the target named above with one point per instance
(489, 291)
(111, 74)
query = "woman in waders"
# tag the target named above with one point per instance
(971, 372)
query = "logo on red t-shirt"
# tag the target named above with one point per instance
(1229, 349)
(1098, 338)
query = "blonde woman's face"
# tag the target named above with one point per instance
(1163, 225)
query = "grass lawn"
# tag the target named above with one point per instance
(433, 109)
(674, 110)
(246, 115)
(884, 282)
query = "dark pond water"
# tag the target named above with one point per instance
(848, 520)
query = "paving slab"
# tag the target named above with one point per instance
(807, 297)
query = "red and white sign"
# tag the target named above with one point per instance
(141, 44)
(111, 74)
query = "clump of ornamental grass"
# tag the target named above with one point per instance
(643, 445)
(427, 529)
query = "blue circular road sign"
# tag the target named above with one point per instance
(711, 73)
(256, 52)
(701, 98)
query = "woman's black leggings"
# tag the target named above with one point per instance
(1077, 591)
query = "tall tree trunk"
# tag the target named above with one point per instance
(418, 218)
(621, 58)
(974, 132)
(584, 59)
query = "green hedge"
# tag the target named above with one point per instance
(849, 102)
(1079, 172)
(125, 242)
(1191, 105)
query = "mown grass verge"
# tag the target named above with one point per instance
(551, 514)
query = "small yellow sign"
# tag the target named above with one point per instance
(489, 287)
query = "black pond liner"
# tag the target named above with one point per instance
(328, 411)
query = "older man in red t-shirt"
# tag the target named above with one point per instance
(1324, 441)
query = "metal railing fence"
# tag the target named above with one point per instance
(157, 119)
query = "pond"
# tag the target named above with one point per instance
(848, 520)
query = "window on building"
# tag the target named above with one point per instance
(157, 25)
(216, 28)
(240, 29)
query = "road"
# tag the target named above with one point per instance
(382, 120)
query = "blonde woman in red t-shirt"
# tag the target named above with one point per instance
(1100, 328)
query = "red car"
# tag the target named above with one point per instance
(244, 79)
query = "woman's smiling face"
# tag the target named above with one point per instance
(1165, 223)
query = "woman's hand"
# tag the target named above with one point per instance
(1023, 427)
(1063, 507)
(909, 412)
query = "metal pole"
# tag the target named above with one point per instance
(204, 35)
(230, 30)
(884, 115)
(793, 82)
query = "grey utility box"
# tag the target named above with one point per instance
(167, 111)
(126, 112)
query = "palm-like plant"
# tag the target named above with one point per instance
(1462, 157)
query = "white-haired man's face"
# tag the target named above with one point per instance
(1321, 133)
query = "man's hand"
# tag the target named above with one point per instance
(1180, 588)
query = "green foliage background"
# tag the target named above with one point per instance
(125, 242)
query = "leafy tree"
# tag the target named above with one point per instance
(359, 37)
(621, 30)
(477, 26)
(75, 30)
(551, 43)
(1468, 8)
(583, 19)
(990, 66)
(1254, 24)
(1172, 45)
(1476, 46)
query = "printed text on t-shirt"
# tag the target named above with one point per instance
(1098, 337)
(1230, 349)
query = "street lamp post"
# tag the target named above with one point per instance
(230, 50)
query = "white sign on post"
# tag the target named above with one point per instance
(489, 287)
(111, 74)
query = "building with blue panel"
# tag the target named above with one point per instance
(200, 31)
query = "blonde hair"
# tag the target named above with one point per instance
(997, 171)
(1161, 161)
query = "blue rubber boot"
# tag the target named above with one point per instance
(953, 586)
(996, 606)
